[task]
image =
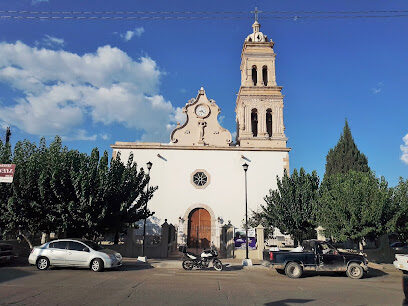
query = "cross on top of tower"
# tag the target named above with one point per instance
(256, 12)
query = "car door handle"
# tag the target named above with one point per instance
(69, 253)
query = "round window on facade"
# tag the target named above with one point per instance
(200, 178)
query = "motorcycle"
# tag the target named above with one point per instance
(192, 260)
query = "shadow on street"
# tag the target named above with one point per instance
(133, 267)
(371, 274)
(289, 302)
(123, 268)
(229, 267)
(9, 273)
(16, 262)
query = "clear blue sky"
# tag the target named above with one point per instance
(97, 82)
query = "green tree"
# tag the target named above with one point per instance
(125, 196)
(70, 193)
(345, 156)
(22, 214)
(256, 218)
(86, 207)
(5, 188)
(354, 205)
(399, 221)
(291, 208)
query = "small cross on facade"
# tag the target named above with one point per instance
(256, 12)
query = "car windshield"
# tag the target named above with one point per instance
(92, 245)
(326, 248)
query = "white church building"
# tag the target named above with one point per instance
(199, 173)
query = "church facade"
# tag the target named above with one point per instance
(199, 173)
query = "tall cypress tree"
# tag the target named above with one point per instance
(345, 156)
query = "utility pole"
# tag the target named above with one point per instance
(8, 134)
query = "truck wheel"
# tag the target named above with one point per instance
(355, 271)
(293, 270)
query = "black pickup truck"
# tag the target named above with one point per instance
(317, 256)
(6, 252)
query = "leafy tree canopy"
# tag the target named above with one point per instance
(290, 208)
(399, 221)
(354, 205)
(345, 156)
(70, 193)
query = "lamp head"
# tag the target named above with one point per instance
(149, 165)
(245, 166)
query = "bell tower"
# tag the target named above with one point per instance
(259, 105)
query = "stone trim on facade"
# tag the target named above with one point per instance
(286, 163)
(146, 145)
(206, 174)
(213, 223)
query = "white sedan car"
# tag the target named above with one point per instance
(74, 253)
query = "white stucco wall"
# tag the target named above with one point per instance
(225, 194)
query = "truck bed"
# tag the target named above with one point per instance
(280, 258)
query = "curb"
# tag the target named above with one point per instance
(175, 264)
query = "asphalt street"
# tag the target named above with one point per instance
(143, 284)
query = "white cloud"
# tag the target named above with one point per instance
(128, 35)
(234, 135)
(61, 91)
(179, 116)
(38, 1)
(104, 136)
(404, 150)
(378, 88)
(51, 41)
(80, 134)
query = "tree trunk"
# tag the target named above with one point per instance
(360, 245)
(44, 238)
(116, 239)
(26, 239)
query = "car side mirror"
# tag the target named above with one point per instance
(85, 249)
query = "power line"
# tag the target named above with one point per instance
(195, 15)
(121, 12)
(288, 17)
(194, 12)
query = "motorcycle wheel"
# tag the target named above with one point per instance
(217, 265)
(188, 264)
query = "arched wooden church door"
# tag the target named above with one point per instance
(199, 229)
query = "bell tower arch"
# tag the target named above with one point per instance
(260, 95)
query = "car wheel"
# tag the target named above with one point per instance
(97, 265)
(355, 271)
(42, 263)
(293, 270)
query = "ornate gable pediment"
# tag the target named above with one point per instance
(201, 127)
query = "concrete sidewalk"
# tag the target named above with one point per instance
(175, 263)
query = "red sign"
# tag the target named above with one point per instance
(7, 173)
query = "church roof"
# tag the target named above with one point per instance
(256, 36)
(201, 127)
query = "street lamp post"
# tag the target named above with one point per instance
(149, 166)
(245, 166)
